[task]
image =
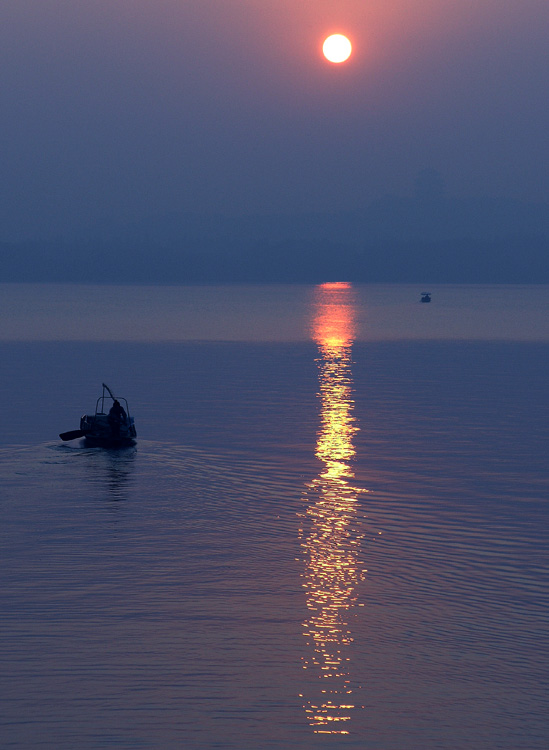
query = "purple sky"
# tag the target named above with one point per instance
(115, 109)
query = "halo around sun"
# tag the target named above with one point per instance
(336, 48)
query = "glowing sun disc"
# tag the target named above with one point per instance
(336, 48)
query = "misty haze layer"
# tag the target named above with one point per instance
(120, 116)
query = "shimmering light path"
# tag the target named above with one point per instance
(330, 536)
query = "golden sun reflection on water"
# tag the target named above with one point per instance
(329, 536)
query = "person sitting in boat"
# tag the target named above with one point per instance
(117, 416)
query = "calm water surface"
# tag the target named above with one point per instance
(332, 531)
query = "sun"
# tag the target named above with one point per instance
(336, 48)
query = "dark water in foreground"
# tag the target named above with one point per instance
(328, 543)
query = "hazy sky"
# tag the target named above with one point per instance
(115, 109)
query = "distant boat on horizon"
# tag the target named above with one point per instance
(425, 296)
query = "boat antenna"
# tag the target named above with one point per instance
(109, 390)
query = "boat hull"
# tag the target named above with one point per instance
(100, 430)
(97, 441)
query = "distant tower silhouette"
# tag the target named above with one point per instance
(429, 187)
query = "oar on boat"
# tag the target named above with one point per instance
(71, 434)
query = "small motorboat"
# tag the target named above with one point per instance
(111, 426)
(425, 296)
